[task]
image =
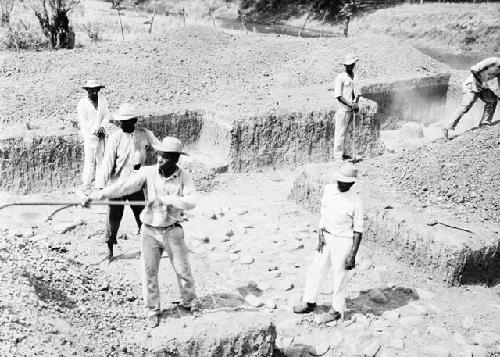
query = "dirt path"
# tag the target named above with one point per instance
(61, 297)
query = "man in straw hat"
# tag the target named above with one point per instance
(92, 112)
(169, 190)
(340, 231)
(477, 85)
(126, 152)
(347, 102)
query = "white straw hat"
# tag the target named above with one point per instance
(347, 173)
(170, 144)
(350, 58)
(125, 112)
(92, 83)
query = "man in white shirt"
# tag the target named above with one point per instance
(126, 152)
(92, 112)
(340, 231)
(347, 102)
(169, 191)
(477, 86)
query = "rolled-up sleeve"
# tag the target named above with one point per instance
(189, 197)
(131, 184)
(358, 216)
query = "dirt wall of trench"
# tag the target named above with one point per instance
(421, 100)
(296, 138)
(449, 255)
(46, 163)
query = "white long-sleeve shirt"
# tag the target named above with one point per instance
(123, 152)
(176, 190)
(487, 70)
(89, 118)
(341, 212)
(344, 87)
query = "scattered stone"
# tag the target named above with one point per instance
(397, 344)
(378, 296)
(380, 325)
(468, 322)
(253, 300)
(436, 351)
(416, 310)
(412, 130)
(337, 339)
(365, 265)
(424, 294)
(246, 259)
(270, 304)
(372, 349)
(319, 350)
(264, 285)
(286, 285)
(204, 239)
(296, 247)
(460, 339)
(24, 233)
(229, 233)
(272, 268)
(366, 309)
(486, 338)
(437, 331)
(284, 342)
(391, 315)
(409, 322)
(241, 212)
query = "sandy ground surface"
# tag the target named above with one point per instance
(231, 74)
(60, 296)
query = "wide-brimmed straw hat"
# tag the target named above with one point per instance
(347, 173)
(350, 58)
(92, 84)
(125, 112)
(170, 144)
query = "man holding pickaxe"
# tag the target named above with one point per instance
(169, 190)
(347, 104)
(477, 86)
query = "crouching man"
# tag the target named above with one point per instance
(340, 231)
(169, 190)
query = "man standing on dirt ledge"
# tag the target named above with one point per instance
(169, 190)
(92, 110)
(340, 231)
(125, 153)
(477, 86)
(346, 94)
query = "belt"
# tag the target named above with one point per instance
(173, 225)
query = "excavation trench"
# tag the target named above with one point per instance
(38, 163)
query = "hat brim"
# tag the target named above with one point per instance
(339, 177)
(161, 148)
(351, 62)
(96, 87)
(118, 117)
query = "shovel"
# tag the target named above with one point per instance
(354, 158)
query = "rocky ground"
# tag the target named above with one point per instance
(230, 74)
(459, 175)
(250, 248)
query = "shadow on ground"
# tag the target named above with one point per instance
(48, 293)
(364, 303)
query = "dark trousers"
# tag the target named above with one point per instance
(115, 215)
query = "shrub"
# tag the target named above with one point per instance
(20, 36)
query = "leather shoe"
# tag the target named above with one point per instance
(304, 307)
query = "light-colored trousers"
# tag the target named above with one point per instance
(154, 242)
(469, 98)
(334, 254)
(93, 151)
(342, 118)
